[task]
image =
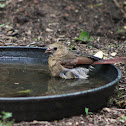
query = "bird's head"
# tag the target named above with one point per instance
(57, 49)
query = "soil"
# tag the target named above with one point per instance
(41, 22)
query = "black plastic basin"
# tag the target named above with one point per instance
(52, 106)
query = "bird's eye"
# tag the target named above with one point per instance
(55, 48)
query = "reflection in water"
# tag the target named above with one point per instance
(34, 80)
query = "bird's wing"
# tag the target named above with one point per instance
(76, 61)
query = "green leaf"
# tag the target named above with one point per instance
(8, 123)
(119, 30)
(4, 118)
(72, 46)
(1, 25)
(86, 111)
(24, 91)
(119, 93)
(84, 36)
(6, 115)
(2, 5)
(124, 118)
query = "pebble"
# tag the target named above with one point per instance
(99, 54)
(113, 54)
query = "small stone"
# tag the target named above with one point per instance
(49, 30)
(113, 54)
(69, 123)
(33, 43)
(106, 110)
(124, 27)
(16, 83)
(99, 54)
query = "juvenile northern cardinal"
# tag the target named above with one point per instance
(67, 64)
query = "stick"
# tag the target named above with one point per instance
(117, 4)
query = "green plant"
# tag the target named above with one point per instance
(112, 45)
(119, 30)
(2, 5)
(2, 25)
(119, 93)
(87, 111)
(84, 36)
(24, 91)
(123, 118)
(72, 46)
(4, 119)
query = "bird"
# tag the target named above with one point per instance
(69, 64)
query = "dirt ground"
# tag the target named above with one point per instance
(41, 22)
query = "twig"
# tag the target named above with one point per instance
(117, 4)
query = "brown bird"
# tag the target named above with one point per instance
(67, 64)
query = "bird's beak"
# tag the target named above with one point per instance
(48, 50)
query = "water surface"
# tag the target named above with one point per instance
(19, 80)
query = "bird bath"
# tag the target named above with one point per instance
(30, 93)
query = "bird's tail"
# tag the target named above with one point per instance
(111, 61)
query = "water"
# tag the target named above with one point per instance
(18, 80)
